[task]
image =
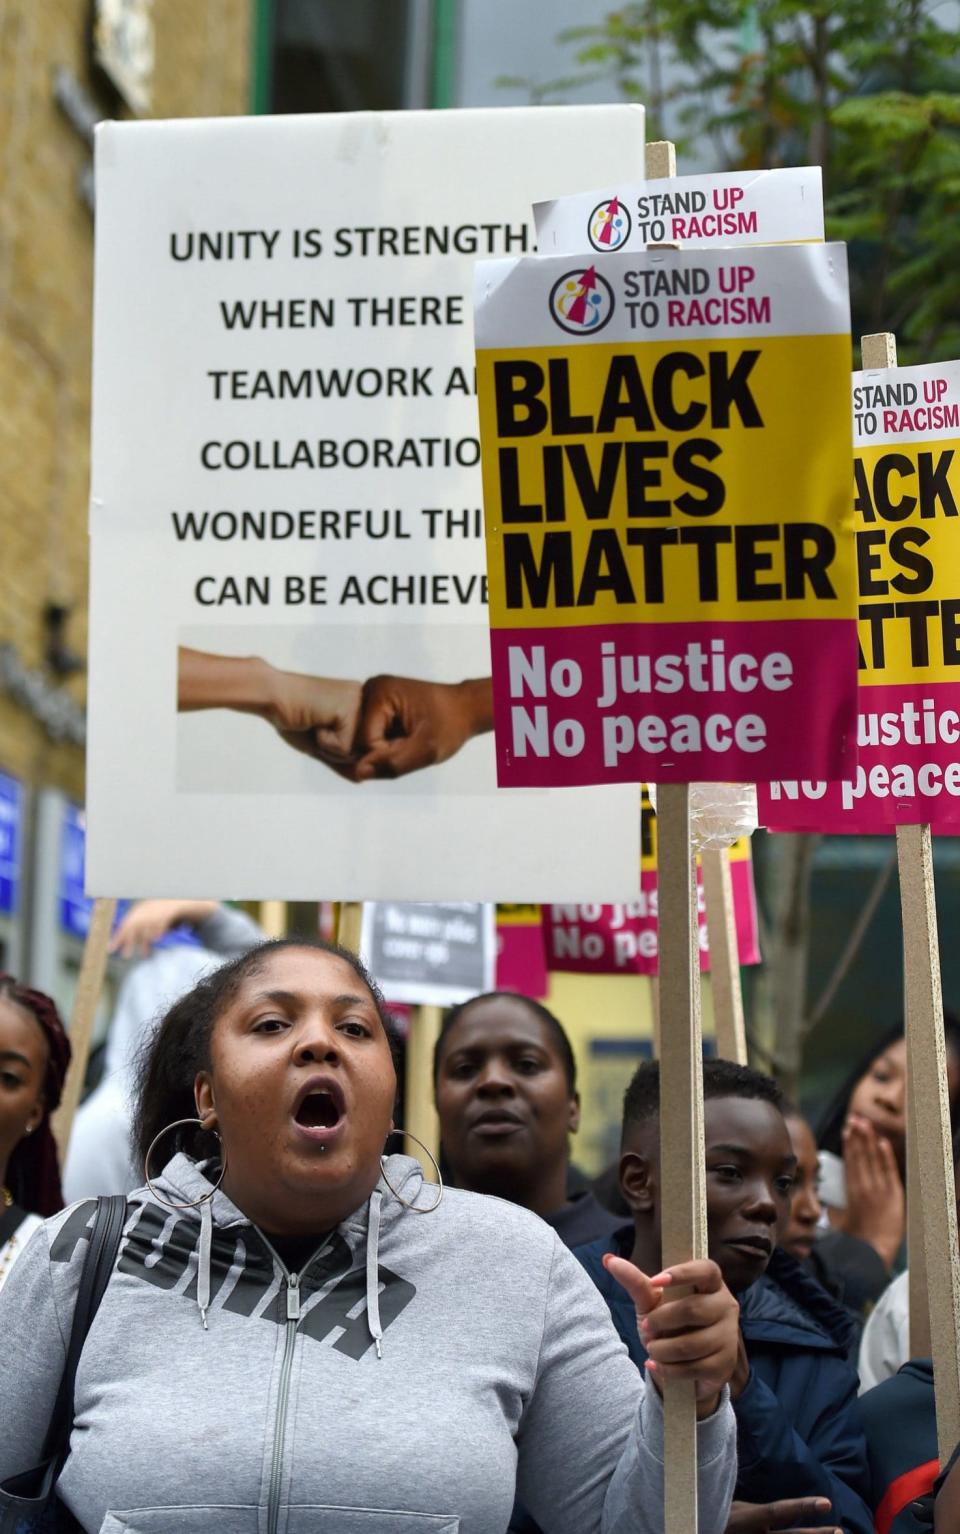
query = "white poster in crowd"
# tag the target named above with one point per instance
(750, 207)
(289, 662)
(435, 954)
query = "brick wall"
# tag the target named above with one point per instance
(203, 53)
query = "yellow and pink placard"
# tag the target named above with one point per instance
(521, 953)
(906, 499)
(666, 448)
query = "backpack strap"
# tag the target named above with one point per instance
(98, 1264)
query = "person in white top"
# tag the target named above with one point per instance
(175, 942)
(885, 1344)
(34, 1056)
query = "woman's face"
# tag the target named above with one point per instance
(799, 1232)
(503, 1097)
(23, 1067)
(880, 1096)
(301, 1088)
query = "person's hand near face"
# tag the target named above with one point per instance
(876, 1198)
(880, 1098)
(693, 1338)
(316, 715)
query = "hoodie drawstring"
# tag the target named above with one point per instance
(373, 1266)
(373, 1270)
(203, 1263)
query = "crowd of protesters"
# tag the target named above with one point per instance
(301, 1332)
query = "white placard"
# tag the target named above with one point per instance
(286, 478)
(429, 954)
(752, 207)
(798, 290)
(913, 404)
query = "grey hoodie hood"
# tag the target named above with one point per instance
(418, 1372)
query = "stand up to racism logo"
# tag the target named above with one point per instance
(609, 225)
(581, 302)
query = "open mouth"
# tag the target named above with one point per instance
(320, 1108)
(318, 1111)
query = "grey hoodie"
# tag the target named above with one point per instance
(419, 1370)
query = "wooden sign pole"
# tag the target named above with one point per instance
(420, 1114)
(89, 985)
(683, 1198)
(927, 1075)
(724, 956)
(683, 1221)
(348, 925)
(919, 1300)
(933, 1231)
(661, 160)
(273, 918)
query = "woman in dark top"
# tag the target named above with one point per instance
(506, 1090)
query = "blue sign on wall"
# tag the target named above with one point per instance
(75, 908)
(11, 843)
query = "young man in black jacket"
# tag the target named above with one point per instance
(794, 1393)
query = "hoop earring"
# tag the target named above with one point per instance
(193, 1203)
(405, 1202)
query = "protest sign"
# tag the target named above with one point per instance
(433, 954)
(289, 658)
(666, 453)
(521, 951)
(906, 495)
(623, 939)
(750, 207)
(899, 567)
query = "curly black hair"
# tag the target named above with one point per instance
(180, 1048)
(721, 1078)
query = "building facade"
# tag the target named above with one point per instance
(64, 64)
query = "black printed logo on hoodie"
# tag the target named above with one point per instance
(158, 1249)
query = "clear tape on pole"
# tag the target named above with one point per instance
(720, 813)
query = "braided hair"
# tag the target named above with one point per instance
(33, 1170)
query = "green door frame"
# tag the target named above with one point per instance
(443, 57)
(262, 60)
